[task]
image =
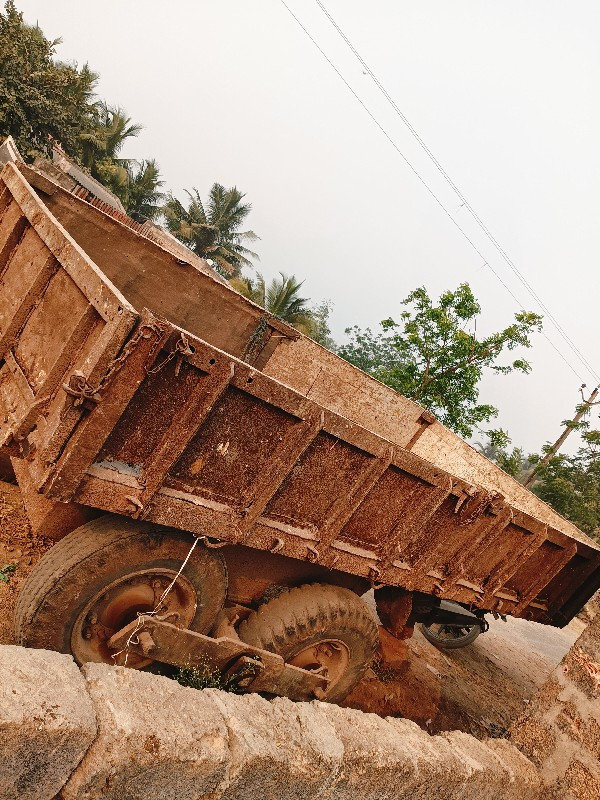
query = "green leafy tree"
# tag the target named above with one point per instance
(571, 484)
(513, 461)
(105, 139)
(282, 299)
(431, 358)
(319, 329)
(252, 288)
(374, 353)
(144, 198)
(213, 230)
(41, 99)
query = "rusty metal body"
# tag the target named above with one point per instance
(136, 384)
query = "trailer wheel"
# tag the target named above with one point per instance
(318, 627)
(449, 637)
(96, 580)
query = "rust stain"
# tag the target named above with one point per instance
(196, 466)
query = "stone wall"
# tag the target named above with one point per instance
(117, 734)
(560, 733)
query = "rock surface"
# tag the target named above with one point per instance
(47, 722)
(159, 741)
(278, 749)
(560, 731)
(156, 740)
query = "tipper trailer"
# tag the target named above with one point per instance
(222, 490)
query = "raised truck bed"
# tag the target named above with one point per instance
(142, 400)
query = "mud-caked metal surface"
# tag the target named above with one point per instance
(130, 410)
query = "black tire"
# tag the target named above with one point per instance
(95, 555)
(452, 642)
(310, 614)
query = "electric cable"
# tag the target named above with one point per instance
(459, 194)
(423, 182)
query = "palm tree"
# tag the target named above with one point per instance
(143, 198)
(212, 231)
(100, 147)
(112, 127)
(279, 298)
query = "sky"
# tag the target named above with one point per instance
(504, 94)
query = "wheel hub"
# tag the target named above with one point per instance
(121, 602)
(329, 657)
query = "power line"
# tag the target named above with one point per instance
(459, 194)
(422, 180)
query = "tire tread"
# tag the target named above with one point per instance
(288, 620)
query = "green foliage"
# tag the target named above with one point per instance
(318, 324)
(6, 572)
(281, 298)
(40, 99)
(100, 146)
(514, 462)
(207, 677)
(43, 101)
(430, 358)
(212, 230)
(143, 197)
(374, 353)
(571, 484)
(104, 140)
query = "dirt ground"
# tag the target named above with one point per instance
(479, 689)
(19, 547)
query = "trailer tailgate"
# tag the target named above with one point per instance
(59, 317)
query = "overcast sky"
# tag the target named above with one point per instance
(505, 94)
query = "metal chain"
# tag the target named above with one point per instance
(144, 332)
(78, 386)
(182, 348)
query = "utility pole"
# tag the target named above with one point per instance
(582, 409)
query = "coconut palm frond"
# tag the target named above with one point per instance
(212, 229)
(144, 198)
